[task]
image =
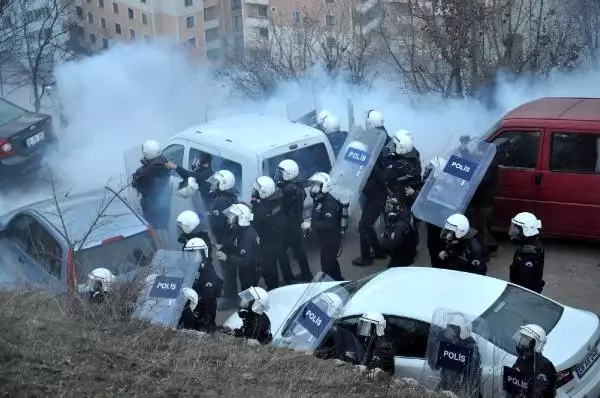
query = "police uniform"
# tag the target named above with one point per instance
(401, 172)
(201, 175)
(293, 208)
(543, 379)
(208, 285)
(375, 195)
(326, 223)
(527, 268)
(219, 202)
(254, 326)
(465, 255)
(198, 232)
(269, 222)
(400, 242)
(152, 182)
(242, 250)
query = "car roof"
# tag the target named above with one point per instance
(253, 132)
(79, 212)
(556, 108)
(416, 292)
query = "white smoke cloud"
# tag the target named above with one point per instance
(130, 93)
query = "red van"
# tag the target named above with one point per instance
(549, 157)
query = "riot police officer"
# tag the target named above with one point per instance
(151, 181)
(100, 283)
(379, 352)
(530, 344)
(188, 227)
(403, 167)
(201, 172)
(254, 302)
(321, 116)
(189, 317)
(399, 239)
(241, 251)
(269, 222)
(293, 207)
(326, 223)
(221, 196)
(527, 268)
(207, 284)
(462, 252)
(334, 133)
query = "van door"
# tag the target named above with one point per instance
(570, 183)
(311, 158)
(518, 158)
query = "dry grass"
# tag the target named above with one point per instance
(53, 346)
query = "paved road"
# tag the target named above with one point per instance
(572, 270)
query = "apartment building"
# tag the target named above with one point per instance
(200, 25)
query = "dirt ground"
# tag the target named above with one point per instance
(63, 347)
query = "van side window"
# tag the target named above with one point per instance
(219, 163)
(174, 153)
(310, 159)
(518, 149)
(575, 153)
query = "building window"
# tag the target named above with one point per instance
(79, 12)
(105, 43)
(132, 33)
(92, 38)
(118, 29)
(90, 18)
(236, 5)
(263, 33)
(145, 18)
(330, 19)
(103, 23)
(190, 22)
(331, 42)
(236, 23)
(211, 13)
(189, 3)
(211, 34)
(192, 41)
(296, 17)
(115, 8)
(213, 54)
(101, 3)
(262, 11)
(130, 13)
(330, 1)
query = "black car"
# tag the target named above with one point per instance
(24, 139)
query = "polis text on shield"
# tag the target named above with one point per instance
(314, 319)
(453, 356)
(514, 381)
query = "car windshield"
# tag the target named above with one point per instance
(9, 112)
(120, 256)
(514, 308)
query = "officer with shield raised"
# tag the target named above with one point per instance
(462, 251)
(335, 135)
(434, 244)
(379, 352)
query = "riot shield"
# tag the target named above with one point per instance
(312, 317)
(161, 300)
(354, 163)
(450, 191)
(462, 356)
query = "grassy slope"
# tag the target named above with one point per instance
(60, 347)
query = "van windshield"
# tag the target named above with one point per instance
(514, 308)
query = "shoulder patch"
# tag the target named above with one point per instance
(528, 264)
(242, 252)
(258, 240)
(208, 284)
(215, 212)
(328, 215)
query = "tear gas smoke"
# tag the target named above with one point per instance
(130, 93)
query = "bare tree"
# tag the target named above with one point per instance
(46, 24)
(586, 14)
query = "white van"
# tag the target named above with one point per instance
(250, 146)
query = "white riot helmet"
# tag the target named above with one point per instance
(264, 186)
(403, 143)
(287, 170)
(457, 226)
(187, 221)
(321, 116)
(100, 280)
(238, 214)
(370, 321)
(191, 295)
(358, 145)
(199, 246)
(222, 180)
(530, 338)
(331, 124)
(405, 132)
(330, 303)
(457, 326)
(526, 224)
(320, 183)
(150, 149)
(256, 298)
(374, 119)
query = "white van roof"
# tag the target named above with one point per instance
(254, 132)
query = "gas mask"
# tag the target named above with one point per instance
(278, 177)
(97, 295)
(315, 190)
(255, 196)
(525, 346)
(515, 233)
(245, 309)
(448, 235)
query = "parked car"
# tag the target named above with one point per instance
(549, 157)
(409, 297)
(54, 250)
(25, 138)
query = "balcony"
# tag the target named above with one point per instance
(252, 22)
(213, 23)
(260, 2)
(365, 5)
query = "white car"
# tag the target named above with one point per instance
(408, 297)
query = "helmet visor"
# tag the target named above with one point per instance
(278, 177)
(316, 187)
(247, 297)
(213, 183)
(448, 234)
(514, 230)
